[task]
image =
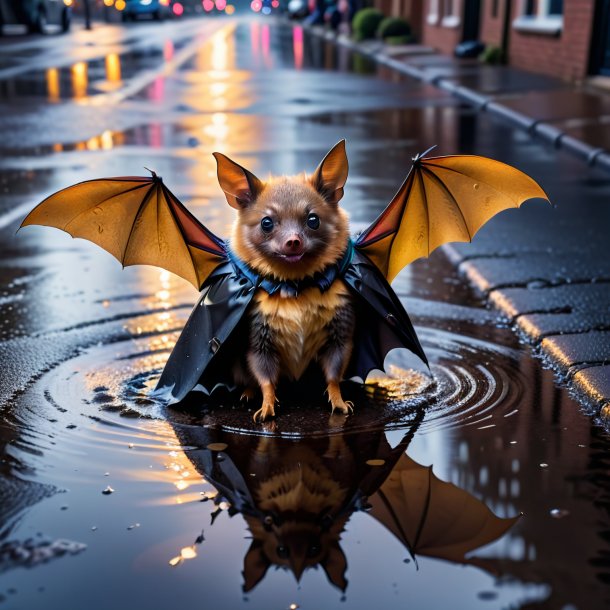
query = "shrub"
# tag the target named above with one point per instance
(393, 27)
(398, 40)
(365, 23)
(492, 55)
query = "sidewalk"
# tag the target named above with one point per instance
(549, 276)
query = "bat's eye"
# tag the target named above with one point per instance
(313, 221)
(283, 551)
(267, 224)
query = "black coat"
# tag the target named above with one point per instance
(215, 334)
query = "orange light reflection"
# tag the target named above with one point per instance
(53, 85)
(113, 68)
(80, 80)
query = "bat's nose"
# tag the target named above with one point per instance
(293, 243)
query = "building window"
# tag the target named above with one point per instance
(433, 12)
(495, 8)
(451, 18)
(540, 17)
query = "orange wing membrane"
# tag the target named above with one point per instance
(443, 199)
(138, 220)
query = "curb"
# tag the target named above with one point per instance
(591, 385)
(547, 132)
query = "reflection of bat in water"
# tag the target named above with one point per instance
(297, 496)
(290, 287)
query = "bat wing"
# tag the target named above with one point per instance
(138, 220)
(443, 199)
(432, 517)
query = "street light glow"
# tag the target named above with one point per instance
(230, 9)
(119, 5)
(221, 4)
(178, 9)
(208, 5)
(108, 3)
(256, 5)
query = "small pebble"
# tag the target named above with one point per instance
(108, 491)
(544, 465)
(559, 513)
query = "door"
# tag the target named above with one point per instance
(472, 9)
(600, 48)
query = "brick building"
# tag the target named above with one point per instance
(570, 39)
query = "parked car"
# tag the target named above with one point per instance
(298, 9)
(36, 14)
(147, 9)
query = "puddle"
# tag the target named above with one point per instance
(86, 78)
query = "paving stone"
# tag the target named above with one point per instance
(568, 350)
(559, 299)
(539, 325)
(594, 382)
(537, 269)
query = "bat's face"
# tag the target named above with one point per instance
(289, 227)
(290, 231)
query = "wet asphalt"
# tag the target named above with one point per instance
(81, 341)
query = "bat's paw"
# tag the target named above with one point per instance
(342, 406)
(247, 394)
(264, 413)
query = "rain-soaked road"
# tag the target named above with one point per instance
(206, 514)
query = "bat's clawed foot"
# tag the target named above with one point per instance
(247, 395)
(345, 407)
(267, 411)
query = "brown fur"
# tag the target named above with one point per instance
(288, 333)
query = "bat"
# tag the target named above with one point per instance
(290, 289)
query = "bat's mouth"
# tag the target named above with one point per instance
(291, 258)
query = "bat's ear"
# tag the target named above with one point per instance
(241, 187)
(335, 565)
(331, 175)
(256, 565)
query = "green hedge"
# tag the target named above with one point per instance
(365, 23)
(492, 55)
(393, 27)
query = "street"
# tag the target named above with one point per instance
(107, 498)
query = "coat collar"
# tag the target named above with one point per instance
(292, 288)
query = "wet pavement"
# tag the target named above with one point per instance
(108, 498)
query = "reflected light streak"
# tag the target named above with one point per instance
(219, 128)
(156, 91)
(297, 46)
(53, 85)
(80, 80)
(106, 142)
(220, 50)
(113, 68)
(168, 50)
(266, 45)
(255, 41)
